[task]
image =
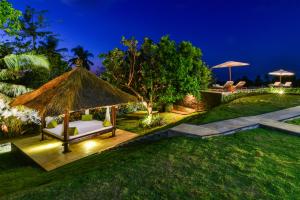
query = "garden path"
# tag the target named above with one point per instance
(230, 126)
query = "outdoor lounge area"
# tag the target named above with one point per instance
(149, 100)
(48, 154)
(57, 97)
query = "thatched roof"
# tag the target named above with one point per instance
(75, 90)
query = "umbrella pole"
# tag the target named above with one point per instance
(280, 78)
(229, 73)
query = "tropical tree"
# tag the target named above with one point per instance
(81, 58)
(9, 18)
(33, 27)
(13, 66)
(6, 48)
(162, 72)
(49, 47)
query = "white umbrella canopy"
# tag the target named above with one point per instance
(229, 65)
(281, 73)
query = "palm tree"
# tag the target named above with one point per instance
(33, 25)
(12, 65)
(81, 58)
(50, 46)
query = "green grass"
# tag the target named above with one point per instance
(246, 106)
(255, 164)
(130, 122)
(294, 121)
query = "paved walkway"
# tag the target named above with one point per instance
(271, 120)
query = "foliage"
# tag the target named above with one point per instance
(242, 93)
(81, 58)
(16, 64)
(41, 76)
(162, 72)
(49, 47)
(254, 164)
(9, 18)
(151, 121)
(25, 61)
(33, 28)
(169, 107)
(16, 121)
(13, 90)
(13, 127)
(130, 108)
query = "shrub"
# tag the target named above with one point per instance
(130, 108)
(152, 121)
(12, 90)
(11, 127)
(16, 121)
(169, 107)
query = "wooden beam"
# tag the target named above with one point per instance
(66, 132)
(114, 119)
(43, 125)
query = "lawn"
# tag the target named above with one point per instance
(130, 122)
(294, 121)
(246, 106)
(255, 164)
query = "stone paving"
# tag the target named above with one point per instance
(271, 120)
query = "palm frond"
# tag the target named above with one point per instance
(25, 61)
(6, 74)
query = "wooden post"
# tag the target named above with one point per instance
(113, 119)
(66, 132)
(43, 125)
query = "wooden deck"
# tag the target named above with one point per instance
(48, 153)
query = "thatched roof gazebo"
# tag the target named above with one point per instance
(75, 90)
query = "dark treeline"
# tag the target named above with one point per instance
(34, 36)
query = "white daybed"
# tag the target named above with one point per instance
(86, 129)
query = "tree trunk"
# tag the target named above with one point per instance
(149, 107)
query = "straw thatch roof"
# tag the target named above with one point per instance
(75, 90)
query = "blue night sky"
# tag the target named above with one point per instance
(265, 33)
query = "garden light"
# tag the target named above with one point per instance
(281, 92)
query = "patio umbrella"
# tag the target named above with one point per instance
(229, 65)
(281, 73)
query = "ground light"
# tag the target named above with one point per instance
(281, 91)
(90, 144)
(41, 147)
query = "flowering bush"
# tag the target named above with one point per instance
(151, 121)
(13, 90)
(16, 121)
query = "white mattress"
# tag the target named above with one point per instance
(84, 128)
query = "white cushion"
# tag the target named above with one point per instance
(84, 128)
